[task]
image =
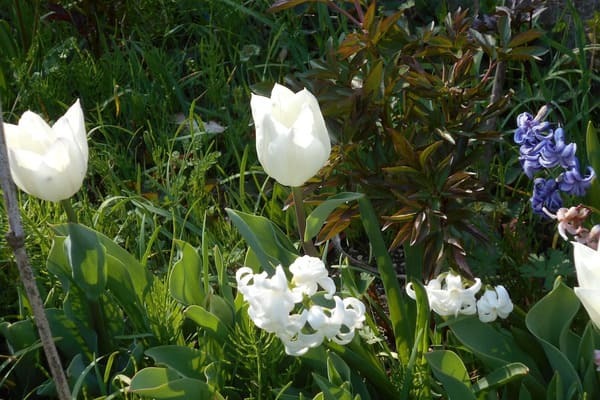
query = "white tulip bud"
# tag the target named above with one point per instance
(292, 141)
(48, 162)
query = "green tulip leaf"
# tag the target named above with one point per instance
(164, 383)
(501, 376)
(317, 217)
(58, 263)
(548, 320)
(271, 246)
(186, 361)
(185, 280)
(490, 345)
(450, 370)
(590, 341)
(74, 339)
(207, 321)
(127, 279)
(223, 310)
(86, 256)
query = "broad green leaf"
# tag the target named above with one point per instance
(127, 279)
(163, 383)
(317, 217)
(86, 256)
(58, 263)
(208, 322)
(501, 376)
(547, 320)
(359, 359)
(188, 362)
(488, 344)
(450, 370)
(221, 309)
(129, 292)
(450, 364)
(185, 280)
(74, 339)
(330, 390)
(269, 243)
(338, 371)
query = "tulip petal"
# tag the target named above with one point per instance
(72, 126)
(590, 298)
(587, 264)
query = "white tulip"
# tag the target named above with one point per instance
(292, 141)
(48, 162)
(587, 265)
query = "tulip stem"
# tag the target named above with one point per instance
(68, 207)
(16, 239)
(307, 245)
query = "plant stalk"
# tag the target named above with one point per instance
(307, 245)
(16, 240)
(68, 207)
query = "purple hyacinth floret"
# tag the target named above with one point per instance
(571, 181)
(530, 130)
(530, 164)
(545, 194)
(557, 152)
(540, 148)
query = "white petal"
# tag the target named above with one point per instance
(590, 298)
(587, 264)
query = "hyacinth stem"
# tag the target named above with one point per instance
(68, 207)
(16, 240)
(307, 245)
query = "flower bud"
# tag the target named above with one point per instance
(48, 162)
(292, 141)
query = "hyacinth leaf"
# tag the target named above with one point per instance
(165, 383)
(548, 321)
(501, 377)
(358, 359)
(397, 304)
(332, 391)
(338, 371)
(207, 321)
(317, 217)
(271, 246)
(450, 370)
(495, 349)
(186, 361)
(592, 145)
(86, 257)
(590, 341)
(185, 281)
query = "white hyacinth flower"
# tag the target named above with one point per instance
(494, 303)
(447, 296)
(309, 273)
